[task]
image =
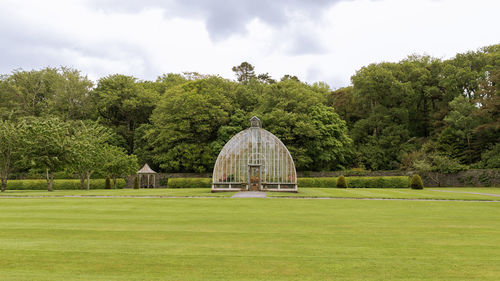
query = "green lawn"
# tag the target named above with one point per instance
(188, 192)
(428, 193)
(247, 239)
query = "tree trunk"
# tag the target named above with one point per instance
(469, 149)
(4, 183)
(82, 181)
(114, 183)
(88, 180)
(50, 180)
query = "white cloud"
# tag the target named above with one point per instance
(327, 44)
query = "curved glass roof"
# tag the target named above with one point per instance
(255, 147)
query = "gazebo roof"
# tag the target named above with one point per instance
(146, 170)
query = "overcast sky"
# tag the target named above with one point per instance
(316, 40)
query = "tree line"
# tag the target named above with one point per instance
(50, 145)
(419, 113)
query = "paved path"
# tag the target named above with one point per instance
(250, 194)
(478, 193)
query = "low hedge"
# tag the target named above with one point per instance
(357, 182)
(317, 182)
(378, 182)
(58, 184)
(189, 182)
(352, 182)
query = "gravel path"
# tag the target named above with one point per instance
(246, 194)
(250, 194)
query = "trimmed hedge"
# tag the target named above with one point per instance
(357, 182)
(378, 182)
(189, 182)
(317, 182)
(58, 184)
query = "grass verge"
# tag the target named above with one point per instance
(247, 239)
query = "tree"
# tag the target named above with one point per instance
(244, 72)
(184, 136)
(89, 143)
(381, 134)
(117, 163)
(314, 134)
(462, 120)
(10, 99)
(10, 147)
(124, 104)
(47, 145)
(434, 164)
(63, 92)
(490, 159)
(69, 97)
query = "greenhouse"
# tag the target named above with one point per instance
(255, 160)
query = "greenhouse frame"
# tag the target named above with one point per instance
(254, 160)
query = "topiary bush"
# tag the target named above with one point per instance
(107, 183)
(136, 182)
(341, 182)
(416, 182)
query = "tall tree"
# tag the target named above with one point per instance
(48, 146)
(117, 163)
(124, 104)
(186, 122)
(244, 72)
(89, 142)
(10, 148)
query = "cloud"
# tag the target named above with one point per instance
(224, 18)
(314, 40)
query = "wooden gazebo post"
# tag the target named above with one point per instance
(146, 170)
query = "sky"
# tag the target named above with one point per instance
(315, 40)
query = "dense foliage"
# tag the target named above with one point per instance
(421, 113)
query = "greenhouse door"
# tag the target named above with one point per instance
(254, 177)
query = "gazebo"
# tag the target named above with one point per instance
(146, 171)
(256, 160)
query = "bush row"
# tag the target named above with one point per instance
(353, 182)
(58, 184)
(357, 182)
(189, 182)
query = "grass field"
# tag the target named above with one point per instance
(176, 192)
(396, 193)
(247, 239)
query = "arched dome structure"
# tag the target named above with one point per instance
(254, 159)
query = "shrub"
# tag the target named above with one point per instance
(107, 183)
(378, 182)
(416, 182)
(317, 182)
(136, 182)
(341, 182)
(66, 184)
(189, 182)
